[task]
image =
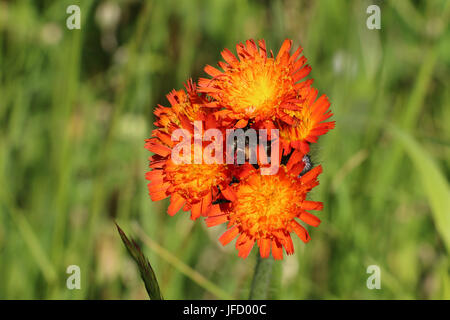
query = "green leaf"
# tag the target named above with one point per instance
(434, 183)
(146, 270)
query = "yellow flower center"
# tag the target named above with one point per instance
(183, 106)
(193, 181)
(301, 127)
(256, 87)
(267, 204)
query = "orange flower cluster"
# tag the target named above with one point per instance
(253, 90)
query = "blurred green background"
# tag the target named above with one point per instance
(76, 106)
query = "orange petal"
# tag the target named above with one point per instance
(262, 48)
(310, 219)
(243, 238)
(241, 51)
(312, 174)
(304, 147)
(295, 158)
(229, 194)
(297, 169)
(245, 248)
(296, 54)
(164, 137)
(288, 244)
(196, 210)
(300, 231)
(229, 57)
(285, 47)
(229, 235)
(155, 176)
(187, 207)
(206, 203)
(157, 148)
(156, 164)
(304, 84)
(212, 221)
(303, 72)
(298, 64)
(214, 210)
(251, 47)
(244, 171)
(277, 250)
(312, 205)
(225, 66)
(158, 187)
(264, 247)
(176, 203)
(158, 195)
(212, 71)
(241, 124)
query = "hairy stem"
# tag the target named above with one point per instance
(261, 279)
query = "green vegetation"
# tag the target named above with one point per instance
(76, 106)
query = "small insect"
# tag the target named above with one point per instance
(245, 150)
(308, 164)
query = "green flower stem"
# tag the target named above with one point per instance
(261, 279)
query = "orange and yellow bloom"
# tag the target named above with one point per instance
(256, 86)
(253, 90)
(264, 210)
(191, 187)
(305, 125)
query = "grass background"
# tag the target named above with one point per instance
(76, 106)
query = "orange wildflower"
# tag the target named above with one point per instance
(306, 124)
(187, 106)
(253, 90)
(190, 186)
(264, 209)
(256, 86)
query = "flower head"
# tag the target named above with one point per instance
(184, 106)
(191, 186)
(252, 91)
(305, 124)
(264, 209)
(256, 86)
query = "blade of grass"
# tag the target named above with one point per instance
(181, 266)
(434, 183)
(34, 245)
(25, 229)
(145, 268)
(409, 118)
